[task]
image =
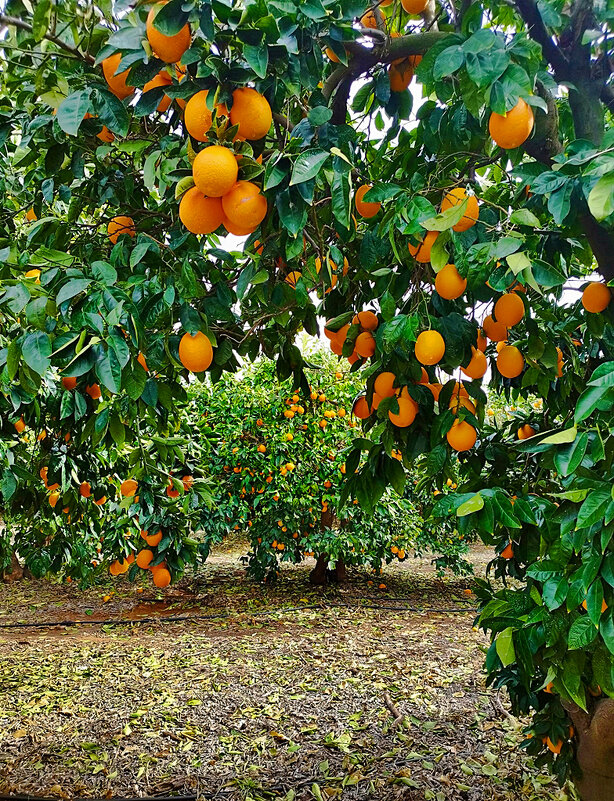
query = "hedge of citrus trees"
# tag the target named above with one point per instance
(452, 236)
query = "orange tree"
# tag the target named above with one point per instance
(277, 458)
(461, 218)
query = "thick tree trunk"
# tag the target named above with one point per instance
(595, 754)
(13, 573)
(321, 575)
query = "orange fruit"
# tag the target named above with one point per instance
(251, 112)
(384, 385)
(469, 218)
(422, 252)
(510, 130)
(361, 408)
(237, 230)
(244, 205)
(85, 489)
(400, 75)
(408, 409)
(167, 48)
(364, 208)
(54, 497)
(128, 488)
(526, 431)
(161, 79)
(70, 382)
(332, 55)
(367, 320)
(197, 117)
(365, 345)
(101, 501)
(430, 347)
(31, 215)
(200, 214)
(105, 135)
(292, 278)
(508, 551)
(120, 225)
(509, 309)
(596, 297)
(141, 360)
(369, 20)
(215, 171)
(117, 83)
(449, 284)
(414, 6)
(462, 436)
(195, 352)
(144, 558)
(510, 361)
(93, 391)
(495, 331)
(187, 482)
(481, 341)
(555, 748)
(477, 365)
(35, 274)
(161, 576)
(152, 539)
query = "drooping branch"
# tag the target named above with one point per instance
(529, 12)
(7, 20)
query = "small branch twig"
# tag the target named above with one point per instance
(7, 20)
(399, 718)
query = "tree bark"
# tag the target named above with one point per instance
(595, 752)
(14, 573)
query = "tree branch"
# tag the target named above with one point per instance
(25, 26)
(529, 12)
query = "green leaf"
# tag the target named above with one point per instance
(170, 18)
(504, 645)
(601, 197)
(71, 289)
(70, 114)
(589, 400)
(36, 351)
(448, 61)
(474, 504)
(561, 437)
(257, 56)
(447, 219)
(581, 634)
(524, 217)
(308, 165)
(568, 458)
(319, 115)
(593, 508)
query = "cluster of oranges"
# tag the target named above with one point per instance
(160, 573)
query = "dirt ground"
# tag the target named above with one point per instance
(286, 692)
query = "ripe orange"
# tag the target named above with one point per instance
(35, 274)
(292, 279)
(195, 352)
(526, 431)
(369, 20)
(422, 252)
(449, 283)
(117, 83)
(367, 320)
(244, 205)
(364, 208)
(85, 489)
(101, 501)
(161, 576)
(495, 331)
(462, 436)
(144, 558)
(361, 408)
(596, 297)
(261, 448)
(470, 217)
(332, 55)
(54, 497)
(512, 129)
(141, 360)
(430, 347)
(31, 215)
(70, 382)
(408, 409)
(237, 230)
(365, 345)
(510, 361)
(481, 341)
(215, 171)
(400, 75)
(200, 214)
(161, 79)
(93, 391)
(477, 365)
(120, 225)
(152, 539)
(509, 309)
(508, 551)
(555, 748)
(197, 117)
(129, 487)
(414, 6)
(166, 48)
(251, 112)
(384, 385)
